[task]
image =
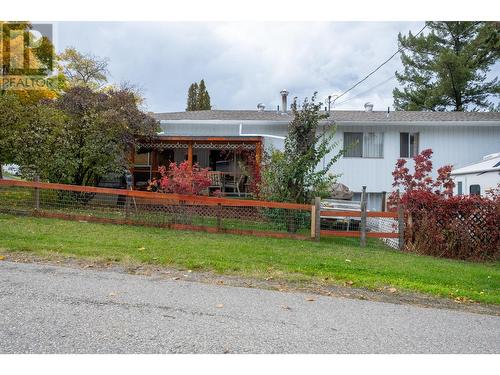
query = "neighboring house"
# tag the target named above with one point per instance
(377, 140)
(478, 178)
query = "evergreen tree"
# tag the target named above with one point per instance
(446, 69)
(192, 100)
(198, 97)
(203, 97)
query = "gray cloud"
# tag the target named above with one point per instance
(244, 63)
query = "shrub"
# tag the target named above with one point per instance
(442, 225)
(181, 179)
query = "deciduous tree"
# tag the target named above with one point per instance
(83, 69)
(297, 174)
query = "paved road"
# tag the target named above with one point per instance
(48, 309)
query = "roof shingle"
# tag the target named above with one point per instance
(340, 116)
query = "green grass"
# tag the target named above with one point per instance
(284, 259)
(10, 175)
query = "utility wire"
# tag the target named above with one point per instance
(367, 91)
(377, 68)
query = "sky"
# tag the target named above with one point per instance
(244, 64)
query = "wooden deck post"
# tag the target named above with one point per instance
(190, 155)
(363, 218)
(401, 226)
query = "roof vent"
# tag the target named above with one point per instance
(284, 95)
(261, 107)
(368, 107)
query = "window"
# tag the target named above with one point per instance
(373, 145)
(353, 144)
(475, 190)
(364, 145)
(408, 144)
(460, 188)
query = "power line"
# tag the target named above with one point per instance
(377, 68)
(367, 91)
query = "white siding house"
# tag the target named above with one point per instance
(456, 138)
(478, 178)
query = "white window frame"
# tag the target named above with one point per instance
(363, 143)
(409, 144)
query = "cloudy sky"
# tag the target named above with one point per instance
(245, 63)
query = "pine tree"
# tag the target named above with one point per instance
(446, 69)
(192, 100)
(203, 97)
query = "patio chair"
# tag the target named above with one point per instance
(216, 181)
(235, 184)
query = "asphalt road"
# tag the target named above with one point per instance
(48, 309)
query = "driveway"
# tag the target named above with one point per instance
(52, 309)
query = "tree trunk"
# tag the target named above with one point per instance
(1, 171)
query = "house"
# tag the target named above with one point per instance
(478, 178)
(376, 139)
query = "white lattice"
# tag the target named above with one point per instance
(384, 224)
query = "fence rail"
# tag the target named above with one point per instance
(370, 232)
(209, 214)
(190, 212)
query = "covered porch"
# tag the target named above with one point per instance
(233, 161)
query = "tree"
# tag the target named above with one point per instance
(38, 139)
(198, 97)
(297, 174)
(192, 101)
(10, 119)
(446, 69)
(83, 69)
(28, 134)
(203, 97)
(85, 136)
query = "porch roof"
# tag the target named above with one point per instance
(162, 142)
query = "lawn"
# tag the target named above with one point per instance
(337, 260)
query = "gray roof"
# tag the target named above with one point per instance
(341, 116)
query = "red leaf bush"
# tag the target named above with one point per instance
(181, 179)
(440, 224)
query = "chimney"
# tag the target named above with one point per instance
(284, 95)
(368, 107)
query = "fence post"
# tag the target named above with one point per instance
(363, 218)
(316, 218)
(37, 194)
(313, 219)
(219, 216)
(401, 226)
